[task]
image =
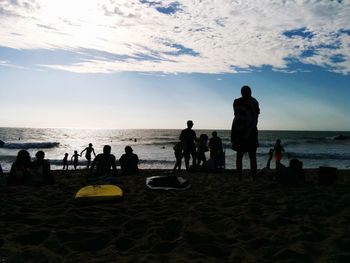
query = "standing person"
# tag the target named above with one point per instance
(202, 148)
(129, 161)
(216, 150)
(178, 151)
(75, 158)
(65, 161)
(244, 132)
(278, 149)
(270, 158)
(88, 150)
(104, 162)
(188, 138)
(1, 172)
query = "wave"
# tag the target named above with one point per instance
(156, 161)
(84, 162)
(340, 138)
(319, 156)
(160, 143)
(31, 145)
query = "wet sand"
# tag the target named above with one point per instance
(218, 220)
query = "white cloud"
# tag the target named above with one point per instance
(197, 36)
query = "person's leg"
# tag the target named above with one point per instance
(253, 164)
(239, 165)
(194, 157)
(187, 160)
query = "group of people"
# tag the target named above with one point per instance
(103, 162)
(244, 139)
(189, 146)
(25, 172)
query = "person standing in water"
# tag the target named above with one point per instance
(278, 149)
(75, 159)
(89, 150)
(244, 132)
(65, 161)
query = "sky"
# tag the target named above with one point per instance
(128, 64)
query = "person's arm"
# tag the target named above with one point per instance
(83, 151)
(256, 111)
(93, 164)
(94, 152)
(181, 136)
(114, 166)
(121, 162)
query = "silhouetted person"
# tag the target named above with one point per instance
(104, 162)
(270, 158)
(129, 161)
(292, 175)
(202, 147)
(20, 169)
(178, 152)
(244, 132)
(188, 138)
(75, 159)
(89, 150)
(65, 161)
(41, 172)
(216, 150)
(278, 149)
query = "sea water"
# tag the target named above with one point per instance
(155, 147)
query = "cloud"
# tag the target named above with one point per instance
(186, 36)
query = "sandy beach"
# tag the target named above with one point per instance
(218, 220)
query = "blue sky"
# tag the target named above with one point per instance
(155, 64)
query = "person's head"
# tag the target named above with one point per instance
(203, 137)
(75, 152)
(278, 141)
(189, 124)
(40, 155)
(214, 134)
(128, 149)
(66, 154)
(107, 149)
(90, 144)
(246, 92)
(23, 157)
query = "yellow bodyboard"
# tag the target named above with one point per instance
(99, 192)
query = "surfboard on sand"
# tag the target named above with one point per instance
(99, 192)
(167, 182)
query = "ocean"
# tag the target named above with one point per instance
(155, 147)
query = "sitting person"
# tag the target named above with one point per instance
(292, 175)
(129, 161)
(217, 155)
(41, 172)
(20, 169)
(104, 162)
